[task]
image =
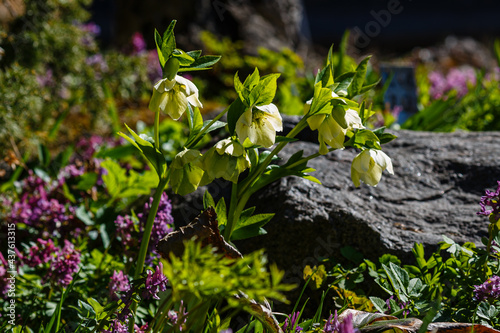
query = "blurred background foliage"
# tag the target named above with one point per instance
(61, 81)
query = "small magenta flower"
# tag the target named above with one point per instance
(138, 43)
(41, 253)
(176, 316)
(333, 325)
(288, 325)
(490, 289)
(4, 284)
(119, 283)
(155, 282)
(64, 266)
(492, 200)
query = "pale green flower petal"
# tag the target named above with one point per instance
(315, 121)
(382, 159)
(369, 165)
(173, 96)
(273, 116)
(258, 127)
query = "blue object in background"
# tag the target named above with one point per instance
(402, 90)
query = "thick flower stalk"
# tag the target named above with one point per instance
(172, 96)
(259, 126)
(368, 167)
(227, 159)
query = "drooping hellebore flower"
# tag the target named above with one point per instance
(329, 130)
(368, 167)
(173, 96)
(186, 171)
(227, 159)
(259, 126)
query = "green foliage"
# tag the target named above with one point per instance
(438, 288)
(292, 88)
(52, 70)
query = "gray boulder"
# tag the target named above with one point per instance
(438, 181)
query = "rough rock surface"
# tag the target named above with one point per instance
(439, 179)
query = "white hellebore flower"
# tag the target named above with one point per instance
(173, 96)
(227, 159)
(368, 167)
(259, 126)
(329, 131)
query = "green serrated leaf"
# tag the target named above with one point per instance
(260, 219)
(343, 82)
(252, 80)
(359, 78)
(208, 201)
(241, 90)
(263, 93)
(220, 209)
(364, 139)
(247, 232)
(379, 304)
(194, 54)
(183, 58)
(368, 87)
(168, 41)
(150, 153)
(159, 41)
(201, 63)
(321, 103)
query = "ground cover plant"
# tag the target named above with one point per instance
(83, 226)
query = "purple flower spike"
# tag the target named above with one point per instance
(65, 265)
(333, 325)
(288, 326)
(490, 289)
(491, 199)
(155, 282)
(118, 283)
(41, 253)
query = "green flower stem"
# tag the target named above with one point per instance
(235, 208)
(157, 130)
(145, 239)
(308, 158)
(241, 194)
(262, 167)
(161, 314)
(204, 129)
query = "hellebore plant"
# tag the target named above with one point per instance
(252, 123)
